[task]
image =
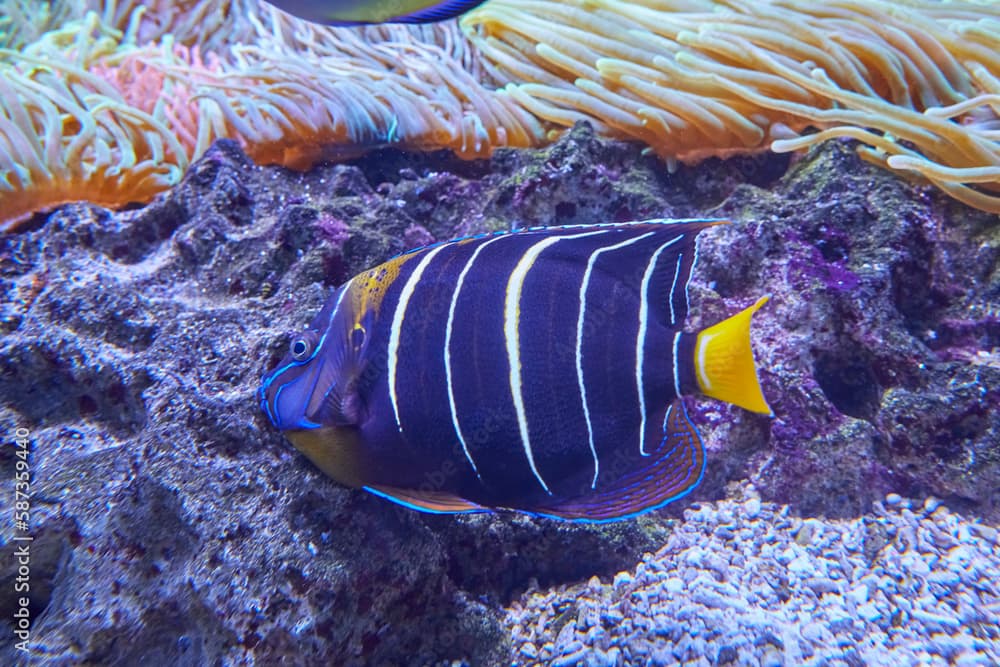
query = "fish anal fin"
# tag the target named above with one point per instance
(434, 502)
(671, 471)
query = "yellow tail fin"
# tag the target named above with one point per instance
(724, 362)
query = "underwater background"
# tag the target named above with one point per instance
(177, 201)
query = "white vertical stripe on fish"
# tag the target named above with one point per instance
(392, 352)
(512, 315)
(447, 351)
(694, 263)
(677, 373)
(640, 339)
(673, 286)
(579, 340)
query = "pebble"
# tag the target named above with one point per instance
(988, 533)
(564, 640)
(820, 585)
(572, 648)
(969, 659)
(709, 599)
(858, 595)
(869, 612)
(813, 632)
(912, 583)
(599, 658)
(801, 566)
(574, 658)
(947, 578)
(805, 534)
(840, 625)
(674, 585)
(694, 557)
(931, 618)
(715, 564)
(612, 616)
(771, 657)
(724, 533)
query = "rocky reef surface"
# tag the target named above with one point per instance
(173, 525)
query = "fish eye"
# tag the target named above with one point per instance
(301, 347)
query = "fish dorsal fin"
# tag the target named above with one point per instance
(670, 472)
(689, 227)
(434, 502)
(672, 255)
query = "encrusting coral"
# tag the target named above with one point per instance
(111, 105)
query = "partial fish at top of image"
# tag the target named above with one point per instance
(368, 12)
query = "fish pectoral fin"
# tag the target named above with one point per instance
(670, 472)
(724, 365)
(340, 405)
(435, 502)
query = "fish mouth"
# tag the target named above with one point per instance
(286, 396)
(265, 406)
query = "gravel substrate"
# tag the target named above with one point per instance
(744, 583)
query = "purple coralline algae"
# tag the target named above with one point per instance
(173, 525)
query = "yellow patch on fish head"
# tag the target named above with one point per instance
(368, 290)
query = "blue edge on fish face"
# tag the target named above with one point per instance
(311, 342)
(494, 293)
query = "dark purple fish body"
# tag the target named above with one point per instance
(539, 370)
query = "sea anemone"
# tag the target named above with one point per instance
(113, 105)
(88, 114)
(67, 134)
(914, 82)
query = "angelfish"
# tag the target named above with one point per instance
(539, 370)
(366, 12)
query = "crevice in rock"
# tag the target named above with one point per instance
(846, 376)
